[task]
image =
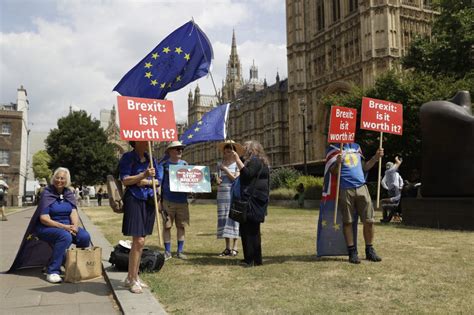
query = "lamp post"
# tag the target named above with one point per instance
(303, 110)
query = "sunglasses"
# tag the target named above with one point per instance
(179, 149)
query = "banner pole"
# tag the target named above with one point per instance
(380, 172)
(157, 215)
(337, 187)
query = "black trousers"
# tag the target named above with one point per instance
(251, 242)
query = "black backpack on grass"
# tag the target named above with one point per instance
(152, 260)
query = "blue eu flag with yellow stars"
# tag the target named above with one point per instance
(211, 127)
(182, 57)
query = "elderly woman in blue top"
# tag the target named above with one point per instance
(58, 222)
(139, 209)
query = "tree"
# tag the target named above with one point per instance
(41, 168)
(80, 144)
(450, 50)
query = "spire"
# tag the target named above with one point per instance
(277, 77)
(233, 51)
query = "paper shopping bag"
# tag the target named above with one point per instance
(83, 264)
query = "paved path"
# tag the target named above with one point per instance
(27, 291)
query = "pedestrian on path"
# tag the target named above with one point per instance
(3, 191)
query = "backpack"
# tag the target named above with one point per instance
(115, 192)
(152, 260)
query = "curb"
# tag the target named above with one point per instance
(128, 302)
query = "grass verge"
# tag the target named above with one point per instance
(424, 271)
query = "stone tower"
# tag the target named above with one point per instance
(233, 81)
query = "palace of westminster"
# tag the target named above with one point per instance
(331, 45)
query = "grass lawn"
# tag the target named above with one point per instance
(423, 270)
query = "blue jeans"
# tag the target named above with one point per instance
(60, 240)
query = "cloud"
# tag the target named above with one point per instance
(74, 52)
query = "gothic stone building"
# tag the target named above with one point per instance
(13, 146)
(257, 112)
(332, 44)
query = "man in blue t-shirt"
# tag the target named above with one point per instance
(174, 203)
(354, 197)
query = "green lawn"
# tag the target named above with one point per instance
(423, 270)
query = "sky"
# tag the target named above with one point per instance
(69, 53)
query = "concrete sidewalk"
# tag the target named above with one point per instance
(27, 291)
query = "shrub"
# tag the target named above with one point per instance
(282, 194)
(313, 186)
(283, 177)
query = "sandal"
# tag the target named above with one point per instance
(226, 252)
(234, 252)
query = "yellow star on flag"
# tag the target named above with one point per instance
(155, 55)
(197, 129)
(148, 65)
(178, 50)
(148, 74)
(153, 82)
(162, 85)
(324, 223)
(200, 122)
(169, 84)
(187, 57)
(336, 227)
(166, 50)
(190, 136)
(178, 78)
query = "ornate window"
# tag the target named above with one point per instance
(4, 157)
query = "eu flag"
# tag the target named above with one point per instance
(330, 238)
(211, 127)
(182, 57)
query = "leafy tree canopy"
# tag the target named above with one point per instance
(80, 144)
(450, 51)
(41, 168)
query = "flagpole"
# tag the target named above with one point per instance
(337, 188)
(210, 73)
(379, 172)
(158, 223)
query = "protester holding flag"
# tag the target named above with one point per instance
(174, 203)
(254, 187)
(139, 208)
(227, 172)
(354, 197)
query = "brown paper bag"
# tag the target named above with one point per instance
(83, 264)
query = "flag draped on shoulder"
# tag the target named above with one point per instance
(211, 127)
(182, 57)
(330, 237)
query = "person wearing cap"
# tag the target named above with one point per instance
(3, 191)
(354, 197)
(138, 205)
(393, 183)
(227, 172)
(174, 203)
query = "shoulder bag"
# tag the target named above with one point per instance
(239, 208)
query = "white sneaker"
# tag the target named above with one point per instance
(53, 278)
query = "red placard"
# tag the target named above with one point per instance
(383, 116)
(145, 119)
(342, 124)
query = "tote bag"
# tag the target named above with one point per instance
(83, 264)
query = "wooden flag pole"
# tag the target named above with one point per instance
(337, 188)
(157, 215)
(380, 171)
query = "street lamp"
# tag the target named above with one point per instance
(303, 109)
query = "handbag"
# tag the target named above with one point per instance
(239, 208)
(83, 264)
